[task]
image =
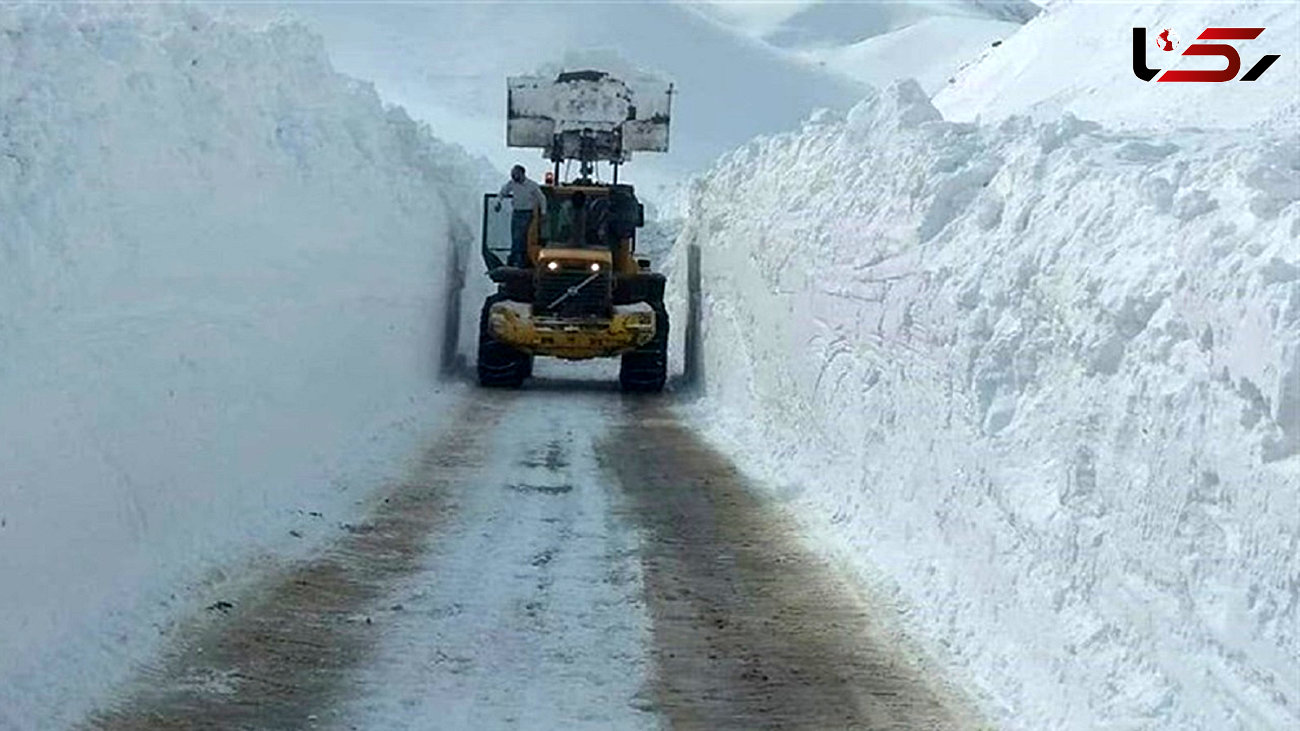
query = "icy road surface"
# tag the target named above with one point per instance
(562, 557)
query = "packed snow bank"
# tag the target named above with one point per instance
(220, 312)
(1048, 380)
(1077, 57)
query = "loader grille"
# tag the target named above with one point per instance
(592, 300)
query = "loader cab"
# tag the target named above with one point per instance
(580, 215)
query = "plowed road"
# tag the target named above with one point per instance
(563, 558)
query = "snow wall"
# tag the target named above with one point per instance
(222, 268)
(1048, 378)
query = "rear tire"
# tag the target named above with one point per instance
(499, 365)
(645, 370)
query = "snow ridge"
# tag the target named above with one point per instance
(1050, 376)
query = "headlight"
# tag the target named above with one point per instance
(595, 266)
(552, 265)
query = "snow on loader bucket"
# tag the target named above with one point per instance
(580, 291)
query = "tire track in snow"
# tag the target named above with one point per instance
(282, 654)
(528, 612)
(561, 560)
(751, 630)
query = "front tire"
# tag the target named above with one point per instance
(499, 365)
(645, 370)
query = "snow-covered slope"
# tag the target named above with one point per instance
(1076, 57)
(931, 51)
(824, 24)
(1048, 378)
(223, 269)
(876, 43)
(447, 63)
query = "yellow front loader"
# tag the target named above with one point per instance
(581, 291)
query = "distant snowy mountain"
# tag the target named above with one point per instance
(875, 43)
(1076, 57)
(447, 63)
(931, 51)
(838, 24)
